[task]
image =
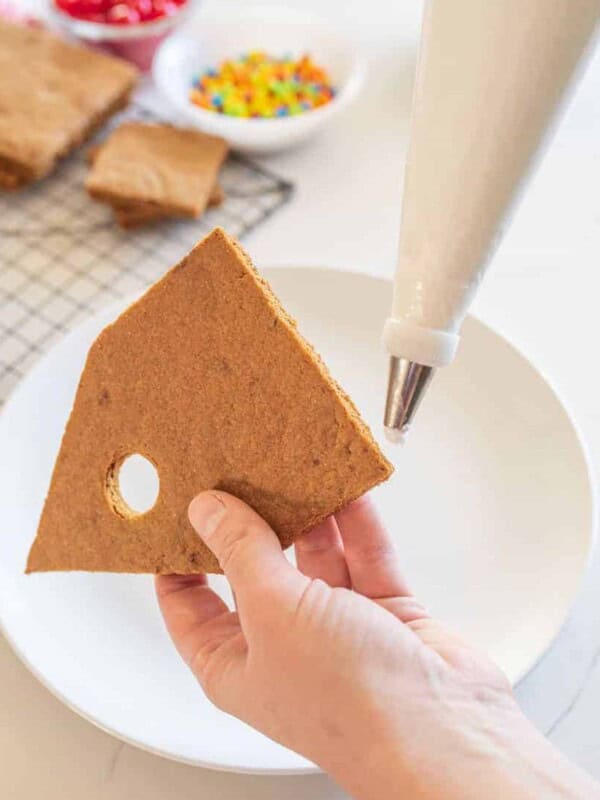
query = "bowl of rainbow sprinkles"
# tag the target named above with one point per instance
(264, 79)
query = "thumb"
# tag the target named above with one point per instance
(246, 547)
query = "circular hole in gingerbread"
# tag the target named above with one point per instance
(132, 486)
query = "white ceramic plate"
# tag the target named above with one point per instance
(491, 505)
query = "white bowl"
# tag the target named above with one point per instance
(100, 32)
(205, 41)
(136, 43)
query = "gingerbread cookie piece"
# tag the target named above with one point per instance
(53, 95)
(134, 215)
(170, 171)
(208, 378)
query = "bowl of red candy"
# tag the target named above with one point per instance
(131, 29)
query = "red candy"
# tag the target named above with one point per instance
(122, 14)
(119, 12)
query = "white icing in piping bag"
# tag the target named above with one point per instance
(490, 78)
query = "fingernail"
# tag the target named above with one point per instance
(205, 512)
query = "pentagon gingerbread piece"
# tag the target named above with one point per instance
(207, 377)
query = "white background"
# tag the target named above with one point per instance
(543, 292)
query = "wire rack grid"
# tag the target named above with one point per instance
(62, 257)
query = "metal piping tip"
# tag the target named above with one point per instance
(407, 384)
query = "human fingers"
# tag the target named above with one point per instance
(371, 554)
(188, 605)
(320, 554)
(248, 552)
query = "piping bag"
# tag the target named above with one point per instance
(490, 78)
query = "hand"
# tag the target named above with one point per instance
(338, 661)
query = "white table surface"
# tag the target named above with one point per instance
(542, 293)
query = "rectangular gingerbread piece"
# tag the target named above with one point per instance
(172, 171)
(134, 215)
(53, 95)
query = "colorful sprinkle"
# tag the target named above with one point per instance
(259, 86)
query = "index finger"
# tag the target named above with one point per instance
(371, 553)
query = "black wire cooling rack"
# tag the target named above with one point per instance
(62, 257)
